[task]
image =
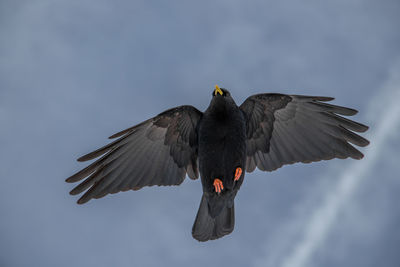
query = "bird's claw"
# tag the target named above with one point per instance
(238, 173)
(218, 185)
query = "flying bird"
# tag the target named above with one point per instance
(220, 145)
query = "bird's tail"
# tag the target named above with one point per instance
(206, 227)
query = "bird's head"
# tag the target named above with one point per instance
(220, 92)
(221, 99)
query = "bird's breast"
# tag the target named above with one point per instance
(222, 148)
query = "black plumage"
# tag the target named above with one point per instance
(266, 131)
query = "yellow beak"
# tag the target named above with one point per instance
(218, 90)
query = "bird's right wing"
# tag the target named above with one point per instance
(284, 129)
(159, 151)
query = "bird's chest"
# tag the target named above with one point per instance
(217, 132)
(222, 147)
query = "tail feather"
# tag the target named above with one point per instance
(207, 228)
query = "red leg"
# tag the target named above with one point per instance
(218, 185)
(238, 173)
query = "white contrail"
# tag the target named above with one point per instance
(384, 115)
(324, 215)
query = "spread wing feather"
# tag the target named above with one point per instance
(159, 151)
(284, 129)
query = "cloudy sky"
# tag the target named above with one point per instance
(74, 72)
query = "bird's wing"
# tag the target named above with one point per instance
(159, 151)
(284, 129)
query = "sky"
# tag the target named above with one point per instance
(74, 72)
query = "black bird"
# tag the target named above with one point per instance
(266, 131)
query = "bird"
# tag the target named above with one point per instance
(220, 145)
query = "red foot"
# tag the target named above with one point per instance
(218, 185)
(238, 173)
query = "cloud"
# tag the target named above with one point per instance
(75, 72)
(315, 229)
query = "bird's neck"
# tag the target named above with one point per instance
(219, 110)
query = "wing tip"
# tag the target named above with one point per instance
(74, 178)
(363, 128)
(85, 158)
(81, 159)
(114, 136)
(75, 191)
(351, 111)
(365, 142)
(358, 156)
(84, 199)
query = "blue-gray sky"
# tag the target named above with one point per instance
(74, 72)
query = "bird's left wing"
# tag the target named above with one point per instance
(284, 129)
(159, 151)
